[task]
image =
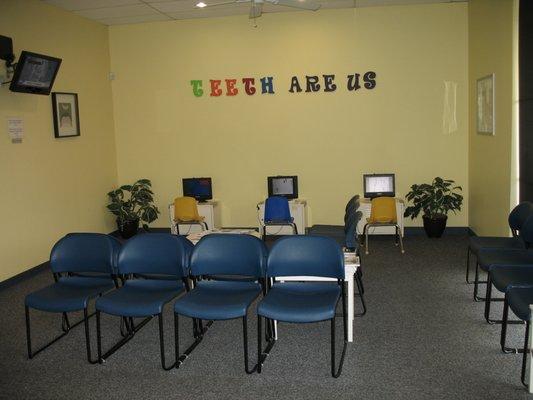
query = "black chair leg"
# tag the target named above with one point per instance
(503, 336)
(337, 373)
(131, 328)
(271, 341)
(162, 345)
(65, 327)
(524, 356)
(200, 331)
(468, 266)
(476, 284)
(245, 339)
(488, 296)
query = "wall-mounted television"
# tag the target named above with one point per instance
(379, 185)
(34, 73)
(286, 186)
(199, 188)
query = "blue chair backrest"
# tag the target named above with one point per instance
(526, 233)
(306, 256)
(519, 215)
(277, 209)
(156, 254)
(229, 254)
(85, 252)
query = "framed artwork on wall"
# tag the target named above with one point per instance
(485, 105)
(66, 114)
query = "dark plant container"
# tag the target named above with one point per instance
(128, 229)
(434, 227)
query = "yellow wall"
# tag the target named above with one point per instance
(328, 139)
(490, 26)
(54, 186)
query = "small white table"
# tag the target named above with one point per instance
(351, 264)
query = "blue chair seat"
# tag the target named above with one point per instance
(140, 297)
(490, 258)
(218, 300)
(68, 294)
(300, 302)
(505, 277)
(478, 243)
(519, 301)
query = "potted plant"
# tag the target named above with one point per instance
(132, 204)
(435, 200)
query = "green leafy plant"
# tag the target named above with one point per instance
(435, 200)
(133, 203)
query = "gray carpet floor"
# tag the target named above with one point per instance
(422, 338)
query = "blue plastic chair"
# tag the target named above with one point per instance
(489, 258)
(278, 213)
(83, 266)
(517, 218)
(304, 302)
(519, 300)
(231, 269)
(155, 266)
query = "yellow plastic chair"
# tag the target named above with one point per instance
(383, 213)
(186, 212)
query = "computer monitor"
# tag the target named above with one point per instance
(286, 186)
(379, 185)
(199, 188)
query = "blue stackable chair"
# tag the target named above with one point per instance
(304, 302)
(489, 258)
(229, 273)
(83, 266)
(505, 278)
(278, 213)
(517, 218)
(155, 268)
(519, 300)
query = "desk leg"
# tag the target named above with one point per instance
(351, 307)
(530, 356)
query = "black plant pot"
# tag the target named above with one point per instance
(434, 227)
(128, 228)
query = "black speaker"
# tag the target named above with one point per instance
(6, 50)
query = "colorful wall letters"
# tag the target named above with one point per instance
(309, 84)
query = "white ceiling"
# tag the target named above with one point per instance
(116, 12)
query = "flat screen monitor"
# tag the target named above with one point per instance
(35, 73)
(379, 185)
(286, 186)
(199, 188)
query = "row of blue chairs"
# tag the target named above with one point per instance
(218, 279)
(508, 264)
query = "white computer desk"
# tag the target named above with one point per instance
(351, 264)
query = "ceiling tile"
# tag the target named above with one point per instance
(177, 6)
(117, 12)
(75, 5)
(220, 11)
(134, 19)
(337, 4)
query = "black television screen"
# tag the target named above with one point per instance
(199, 188)
(34, 73)
(379, 185)
(286, 186)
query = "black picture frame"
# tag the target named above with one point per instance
(66, 114)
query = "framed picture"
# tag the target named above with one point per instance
(485, 105)
(66, 114)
